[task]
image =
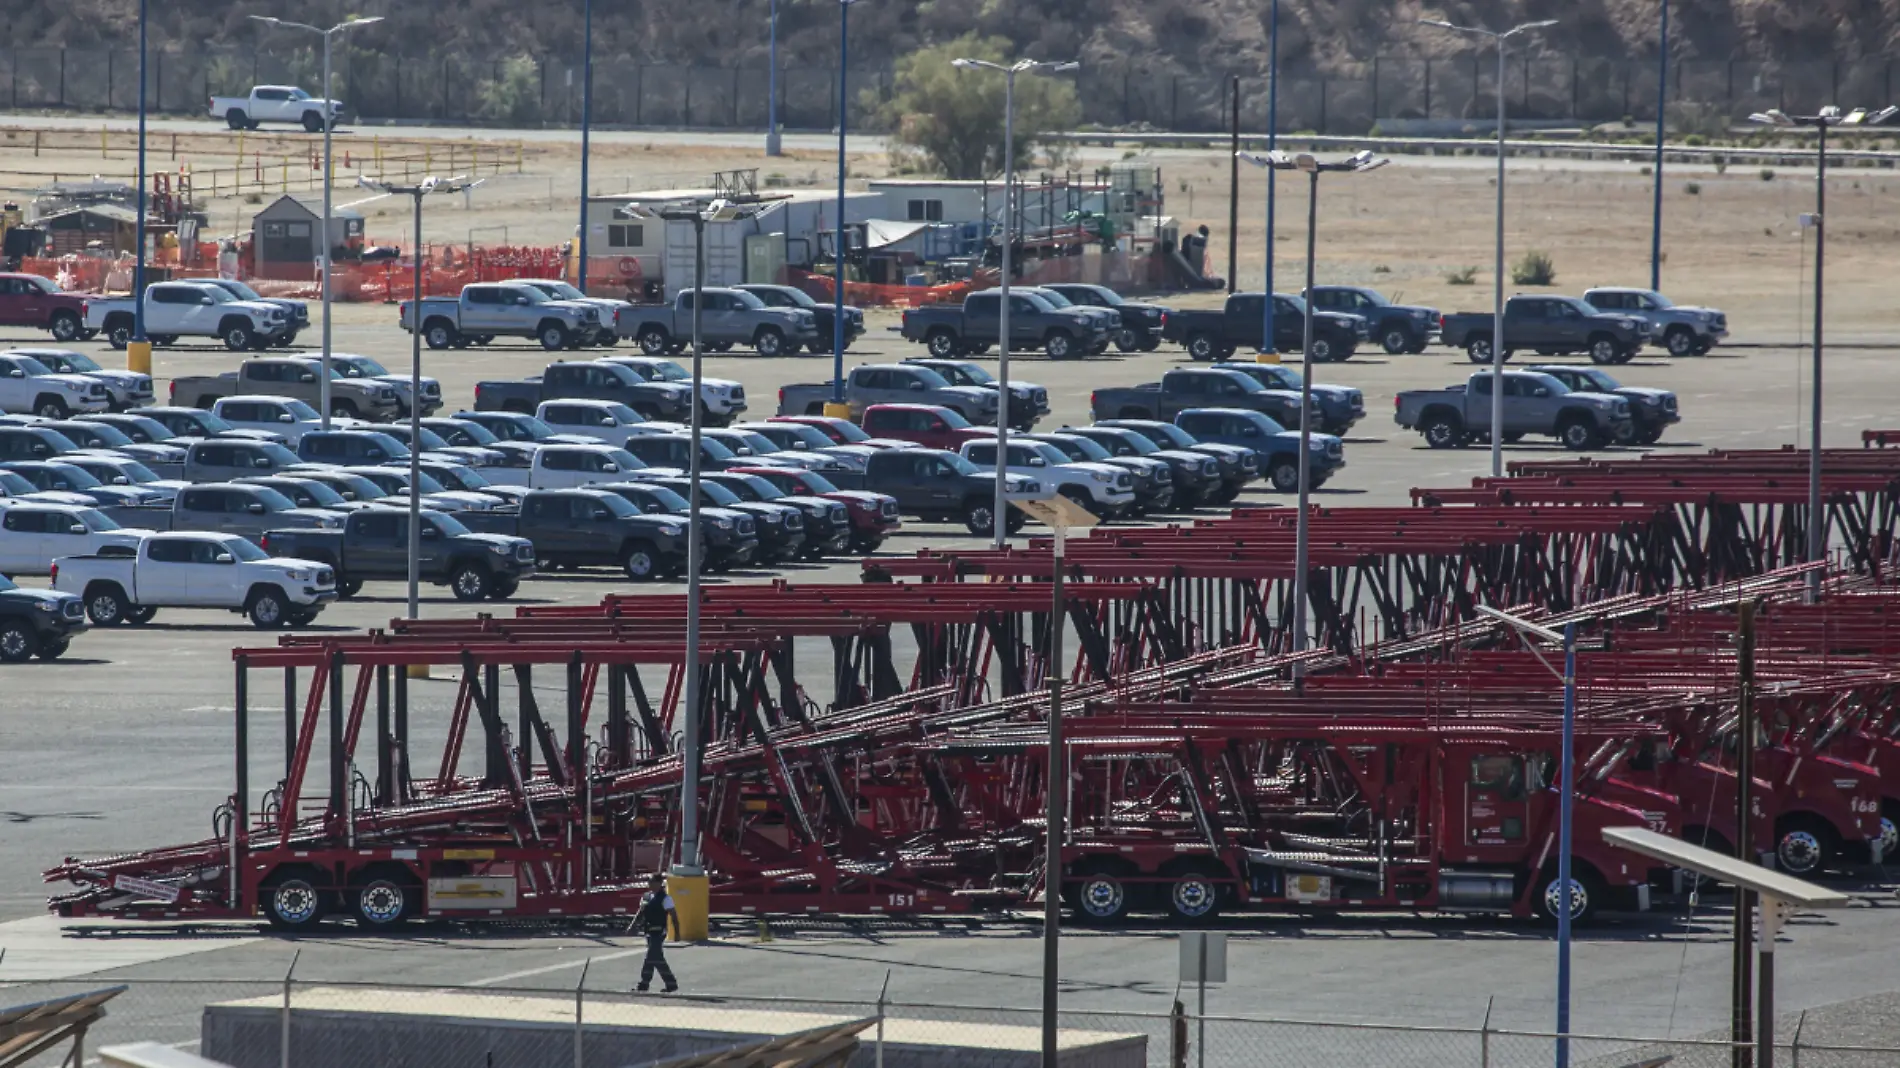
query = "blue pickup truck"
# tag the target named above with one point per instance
(1277, 447)
(1339, 407)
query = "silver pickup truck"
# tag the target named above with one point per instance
(487, 310)
(1683, 330)
(728, 317)
(1534, 403)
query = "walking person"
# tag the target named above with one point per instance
(656, 911)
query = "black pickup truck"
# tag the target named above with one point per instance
(939, 486)
(1141, 323)
(826, 314)
(1549, 326)
(374, 544)
(1216, 335)
(1034, 323)
(1398, 328)
(592, 527)
(1197, 387)
(36, 622)
(588, 380)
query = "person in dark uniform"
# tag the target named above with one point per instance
(656, 911)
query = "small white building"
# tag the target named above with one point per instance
(744, 243)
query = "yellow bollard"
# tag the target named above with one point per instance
(102, 142)
(692, 902)
(138, 357)
(377, 147)
(428, 157)
(837, 411)
(286, 177)
(418, 671)
(1270, 356)
(517, 157)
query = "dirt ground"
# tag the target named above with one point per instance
(1731, 240)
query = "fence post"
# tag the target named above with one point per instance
(580, 988)
(1428, 87)
(1795, 1042)
(1484, 1034)
(883, 999)
(1375, 90)
(283, 1042)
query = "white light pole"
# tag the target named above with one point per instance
(329, 120)
(1357, 163)
(1828, 116)
(771, 89)
(999, 515)
(415, 192)
(1497, 303)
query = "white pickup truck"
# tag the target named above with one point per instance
(191, 309)
(197, 571)
(34, 534)
(276, 103)
(28, 386)
(488, 310)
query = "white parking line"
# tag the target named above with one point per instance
(497, 980)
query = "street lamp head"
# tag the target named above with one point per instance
(967, 64)
(1541, 24)
(1830, 114)
(1440, 23)
(1305, 161)
(1064, 68)
(1365, 161)
(355, 23)
(1772, 117)
(1254, 158)
(267, 19)
(1882, 115)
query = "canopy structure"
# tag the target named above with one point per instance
(26, 1031)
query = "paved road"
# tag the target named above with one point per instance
(125, 745)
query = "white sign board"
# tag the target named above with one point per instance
(1203, 957)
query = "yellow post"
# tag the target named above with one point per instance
(692, 902)
(834, 410)
(102, 142)
(286, 173)
(418, 671)
(1270, 356)
(138, 357)
(517, 157)
(428, 155)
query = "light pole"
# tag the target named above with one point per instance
(771, 89)
(838, 409)
(999, 512)
(1565, 803)
(1662, 101)
(1820, 122)
(1273, 145)
(329, 120)
(587, 129)
(416, 192)
(1497, 302)
(138, 353)
(1357, 163)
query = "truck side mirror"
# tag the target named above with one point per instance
(1540, 391)
(16, 373)
(523, 301)
(226, 558)
(431, 532)
(287, 417)
(262, 461)
(121, 480)
(308, 378)
(375, 453)
(255, 508)
(916, 385)
(76, 528)
(602, 514)
(610, 468)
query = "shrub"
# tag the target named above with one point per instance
(1767, 174)
(1694, 189)
(1536, 268)
(1381, 269)
(1463, 276)
(514, 96)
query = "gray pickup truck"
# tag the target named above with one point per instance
(1683, 330)
(487, 310)
(1064, 333)
(886, 383)
(1548, 326)
(1198, 387)
(728, 317)
(232, 508)
(1534, 403)
(297, 377)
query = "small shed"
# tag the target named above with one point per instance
(285, 236)
(72, 230)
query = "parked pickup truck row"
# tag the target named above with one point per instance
(1550, 326)
(201, 308)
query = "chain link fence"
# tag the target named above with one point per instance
(385, 1025)
(536, 91)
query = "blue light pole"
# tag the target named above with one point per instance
(1662, 100)
(771, 89)
(138, 265)
(587, 116)
(1273, 145)
(837, 407)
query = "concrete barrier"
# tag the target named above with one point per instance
(354, 1027)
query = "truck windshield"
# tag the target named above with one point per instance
(77, 479)
(12, 485)
(108, 437)
(534, 295)
(664, 498)
(1141, 445)
(139, 428)
(243, 551)
(954, 419)
(79, 362)
(793, 296)
(1168, 434)
(135, 472)
(354, 487)
(716, 495)
(321, 496)
(208, 424)
(237, 289)
(278, 454)
(851, 433)
(357, 367)
(302, 411)
(1081, 448)
(1053, 298)
(816, 483)
(559, 290)
(1298, 303)
(450, 526)
(96, 520)
(667, 371)
(930, 378)
(1598, 381)
(1107, 296)
(522, 428)
(968, 374)
(217, 294)
(476, 433)
(716, 449)
(1048, 452)
(751, 488)
(797, 436)
(273, 500)
(6, 584)
(758, 443)
(462, 478)
(31, 366)
(963, 466)
(299, 94)
(1369, 298)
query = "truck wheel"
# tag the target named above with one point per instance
(1396, 340)
(438, 334)
(942, 343)
(1628, 352)
(1059, 346)
(1805, 845)
(1678, 339)
(347, 587)
(1099, 896)
(1604, 349)
(54, 649)
(1649, 435)
(162, 340)
(18, 642)
(1322, 351)
(302, 617)
(504, 589)
(1194, 897)
(238, 337)
(1284, 475)
(1127, 340)
(292, 901)
(383, 897)
(342, 409)
(1586, 895)
(1201, 347)
(1579, 434)
(237, 119)
(652, 341)
(979, 516)
(138, 615)
(106, 605)
(119, 333)
(554, 337)
(312, 122)
(51, 407)
(1478, 349)
(268, 608)
(469, 582)
(640, 562)
(769, 342)
(1444, 431)
(65, 325)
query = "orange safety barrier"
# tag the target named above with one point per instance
(865, 294)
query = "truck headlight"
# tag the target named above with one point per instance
(1316, 444)
(297, 576)
(1102, 478)
(1652, 401)
(722, 524)
(499, 550)
(1418, 313)
(46, 606)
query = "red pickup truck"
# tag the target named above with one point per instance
(930, 425)
(29, 300)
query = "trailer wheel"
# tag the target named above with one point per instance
(382, 899)
(1099, 897)
(1194, 897)
(1586, 895)
(292, 901)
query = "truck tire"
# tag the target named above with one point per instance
(1059, 346)
(639, 561)
(237, 335)
(1396, 339)
(1284, 475)
(1604, 349)
(979, 516)
(503, 589)
(382, 897)
(1127, 340)
(291, 899)
(106, 604)
(65, 325)
(312, 122)
(1586, 895)
(1649, 435)
(1098, 894)
(139, 615)
(1805, 844)
(1478, 350)
(1678, 339)
(347, 586)
(119, 331)
(769, 342)
(343, 409)
(237, 120)
(267, 607)
(1202, 348)
(54, 649)
(439, 333)
(1443, 430)
(469, 581)
(1193, 897)
(18, 641)
(943, 343)
(1578, 433)
(1324, 351)
(162, 340)
(553, 336)
(49, 406)
(653, 341)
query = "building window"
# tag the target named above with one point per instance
(926, 211)
(626, 235)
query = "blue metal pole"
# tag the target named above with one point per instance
(1662, 99)
(837, 318)
(1273, 142)
(587, 116)
(138, 265)
(771, 89)
(1565, 800)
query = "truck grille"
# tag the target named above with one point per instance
(889, 510)
(1122, 481)
(745, 526)
(524, 553)
(72, 609)
(325, 577)
(738, 393)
